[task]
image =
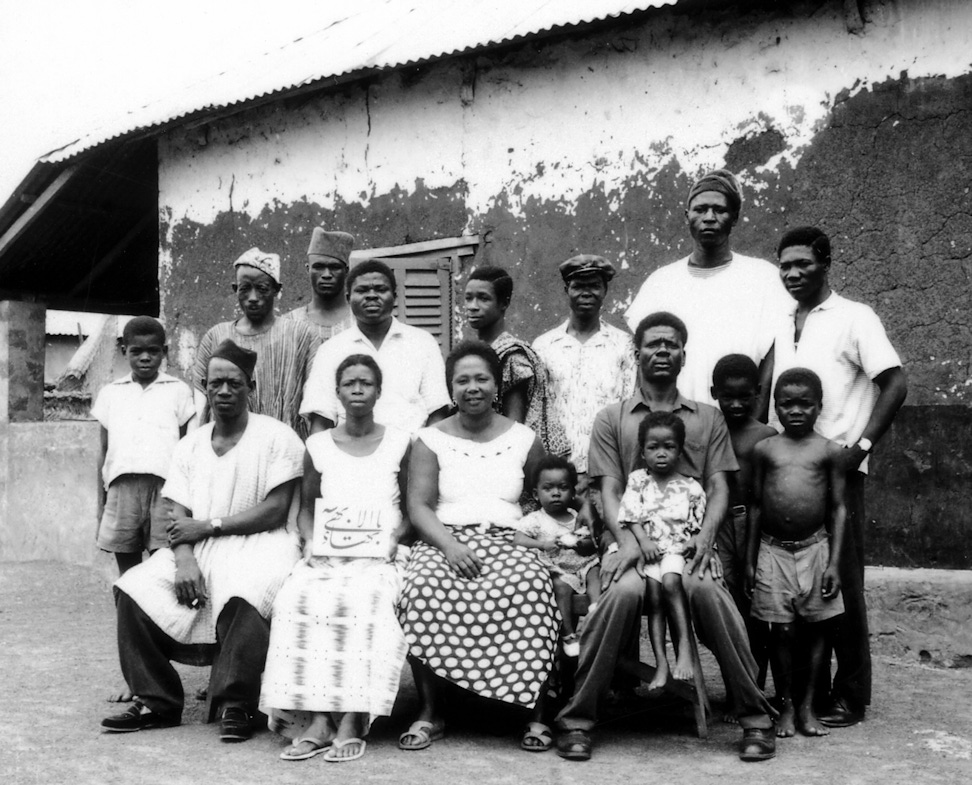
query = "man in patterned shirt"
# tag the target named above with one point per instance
(328, 312)
(591, 363)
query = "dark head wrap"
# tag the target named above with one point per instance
(722, 181)
(242, 358)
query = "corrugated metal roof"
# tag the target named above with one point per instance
(70, 322)
(376, 35)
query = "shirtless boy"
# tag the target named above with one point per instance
(797, 479)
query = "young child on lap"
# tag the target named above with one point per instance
(663, 510)
(791, 573)
(567, 549)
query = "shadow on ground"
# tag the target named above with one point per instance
(58, 663)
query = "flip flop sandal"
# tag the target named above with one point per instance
(319, 747)
(537, 732)
(424, 731)
(330, 757)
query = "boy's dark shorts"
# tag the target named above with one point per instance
(135, 516)
(788, 584)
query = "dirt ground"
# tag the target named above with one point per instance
(58, 662)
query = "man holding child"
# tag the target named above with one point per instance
(707, 456)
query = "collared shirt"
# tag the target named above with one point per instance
(729, 309)
(845, 344)
(614, 440)
(413, 384)
(586, 377)
(143, 424)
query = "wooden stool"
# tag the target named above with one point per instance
(694, 692)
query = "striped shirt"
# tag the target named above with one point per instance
(285, 354)
(324, 331)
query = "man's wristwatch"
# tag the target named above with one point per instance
(217, 524)
(865, 445)
(612, 548)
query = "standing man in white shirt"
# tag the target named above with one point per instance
(413, 391)
(590, 363)
(864, 385)
(729, 302)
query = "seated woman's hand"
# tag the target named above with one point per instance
(463, 560)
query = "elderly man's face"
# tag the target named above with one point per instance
(227, 389)
(255, 292)
(661, 354)
(710, 218)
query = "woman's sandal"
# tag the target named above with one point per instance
(331, 757)
(425, 733)
(318, 746)
(537, 737)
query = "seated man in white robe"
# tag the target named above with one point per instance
(207, 599)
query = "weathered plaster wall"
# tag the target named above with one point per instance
(589, 143)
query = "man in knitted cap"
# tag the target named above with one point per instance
(207, 598)
(328, 256)
(729, 302)
(590, 362)
(284, 347)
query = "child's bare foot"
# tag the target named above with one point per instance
(661, 677)
(785, 725)
(684, 671)
(808, 723)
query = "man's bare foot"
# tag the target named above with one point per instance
(808, 723)
(661, 677)
(122, 696)
(785, 726)
(683, 669)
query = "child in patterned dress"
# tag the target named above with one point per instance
(663, 510)
(566, 549)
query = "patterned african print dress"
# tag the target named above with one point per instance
(522, 365)
(495, 635)
(335, 643)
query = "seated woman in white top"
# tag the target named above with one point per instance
(336, 647)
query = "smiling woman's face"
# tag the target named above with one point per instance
(473, 385)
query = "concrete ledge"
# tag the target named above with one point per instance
(921, 614)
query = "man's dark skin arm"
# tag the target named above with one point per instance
(765, 385)
(628, 555)
(319, 422)
(717, 502)
(893, 386)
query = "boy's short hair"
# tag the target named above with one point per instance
(661, 420)
(371, 266)
(358, 359)
(143, 325)
(555, 462)
(800, 376)
(811, 236)
(660, 319)
(499, 278)
(735, 366)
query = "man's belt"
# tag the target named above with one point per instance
(796, 545)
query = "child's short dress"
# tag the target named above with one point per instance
(566, 564)
(671, 516)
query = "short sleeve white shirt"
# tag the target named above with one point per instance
(845, 344)
(730, 309)
(413, 376)
(586, 377)
(143, 424)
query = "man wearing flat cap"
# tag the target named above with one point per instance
(207, 599)
(284, 347)
(328, 256)
(729, 302)
(591, 363)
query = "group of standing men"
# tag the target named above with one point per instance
(780, 317)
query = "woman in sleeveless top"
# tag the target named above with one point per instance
(336, 648)
(477, 610)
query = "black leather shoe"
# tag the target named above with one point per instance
(758, 744)
(235, 725)
(840, 715)
(134, 719)
(574, 745)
